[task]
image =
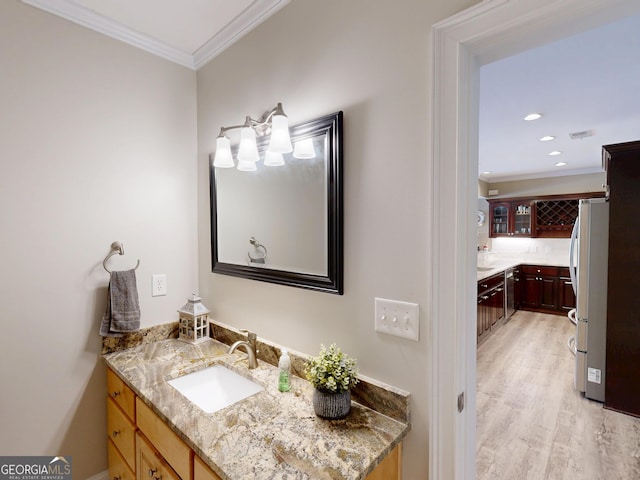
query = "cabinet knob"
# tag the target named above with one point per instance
(115, 433)
(152, 472)
(116, 478)
(115, 394)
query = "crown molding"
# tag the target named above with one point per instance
(252, 16)
(257, 12)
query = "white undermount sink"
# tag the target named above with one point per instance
(485, 269)
(214, 388)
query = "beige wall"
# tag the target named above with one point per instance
(549, 186)
(97, 143)
(371, 60)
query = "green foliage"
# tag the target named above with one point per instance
(332, 370)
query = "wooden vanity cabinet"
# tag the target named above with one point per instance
(120, 428)
(142, 446)
(151, 465)
(201, 471)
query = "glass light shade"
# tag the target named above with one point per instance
(223, 158)
(280, 139)
(273, 159)
(246, 166)
(304, 149)
(248, 151)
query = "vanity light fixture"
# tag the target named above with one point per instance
(274, 122)
(533, 116)
(304, 149)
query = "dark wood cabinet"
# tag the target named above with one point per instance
(622, 385)
(491, 306)
(544, 289)
(567, 298)
(508, 219)
(547, 216)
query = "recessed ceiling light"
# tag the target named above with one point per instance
(560, 164)
(555, 152)
(486, 173)
(547, 138)
(533, 116)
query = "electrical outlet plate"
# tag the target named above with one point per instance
(397, 318)
(158, 285)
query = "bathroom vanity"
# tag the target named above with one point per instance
(156, 432)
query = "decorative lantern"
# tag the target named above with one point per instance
(194, 321)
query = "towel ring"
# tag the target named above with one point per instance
(116, 248)
(259, 259)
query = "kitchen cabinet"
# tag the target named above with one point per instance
(622, 388)
(546, 216)
(567, 298)
(545, 289)
(490, 311)
(510, 218)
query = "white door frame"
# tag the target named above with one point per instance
(491, 30)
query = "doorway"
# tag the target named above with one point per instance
(489, 31)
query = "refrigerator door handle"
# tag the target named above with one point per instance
(572, 262)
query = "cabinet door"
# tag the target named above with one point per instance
(565, 294)
(530, 291)
(480, 319)
(151, 465)
(201, 471)
(500, 217)
(549, 293)
(521, 218)
(118, 468)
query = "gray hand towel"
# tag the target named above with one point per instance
(123, 311)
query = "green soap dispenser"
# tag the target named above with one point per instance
(284, 371)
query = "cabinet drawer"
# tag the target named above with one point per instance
(118, 468)
(121, 394)
(540, 270)
(201, 471)
(151, 464)
(489, 283)
(121, 432)
(170, 446)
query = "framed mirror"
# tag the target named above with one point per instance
(284, 224)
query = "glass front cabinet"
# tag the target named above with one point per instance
(509, 219)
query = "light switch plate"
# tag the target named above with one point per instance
(397, 318)
(158, 285)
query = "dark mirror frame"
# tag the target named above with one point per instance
(331, 126)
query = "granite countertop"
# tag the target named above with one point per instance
(492, 263)
(268, 435)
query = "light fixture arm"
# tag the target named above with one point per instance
(260, 126)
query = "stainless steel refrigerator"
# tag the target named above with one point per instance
(588, 268)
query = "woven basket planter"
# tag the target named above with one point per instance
(331, 406)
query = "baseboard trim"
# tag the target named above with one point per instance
(100, 476)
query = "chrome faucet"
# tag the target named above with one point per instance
(250, 346)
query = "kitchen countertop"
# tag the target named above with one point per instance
(268, 435)
(491, 263)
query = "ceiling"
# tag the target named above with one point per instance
(187, 32)
(589, 81)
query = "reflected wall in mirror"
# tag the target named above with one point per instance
(283, 224)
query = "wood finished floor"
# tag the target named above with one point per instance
(532, 424)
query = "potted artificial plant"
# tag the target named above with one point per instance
(332, 374)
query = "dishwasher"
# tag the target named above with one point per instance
(510, 296)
